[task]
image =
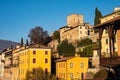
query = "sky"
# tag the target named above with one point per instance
(17, 17)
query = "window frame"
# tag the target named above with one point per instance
(34, 52)
(71, 64)
(34, 60)
(106, 41)
(46, 60)
(46, 52)
(81, 65)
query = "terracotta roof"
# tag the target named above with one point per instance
(108, 22)
(39, 46)
(64, 59)
(110, 14)
(64, 27)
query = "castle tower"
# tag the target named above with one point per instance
(74, 20)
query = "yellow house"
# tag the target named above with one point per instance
(69, 68)
(34, 57)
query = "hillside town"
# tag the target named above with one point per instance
(93, 53)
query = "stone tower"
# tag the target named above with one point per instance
(74, 20)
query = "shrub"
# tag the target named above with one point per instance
(103, 74)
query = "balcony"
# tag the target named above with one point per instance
(109, 62)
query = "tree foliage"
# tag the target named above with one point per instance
(65, 48)
(27, 43)
(87, 52)
(56, 35)
(39, 74)
(103, 74)
(89, 75)
(21, 42)
(86, 46)
(98, 15)
(38, 35)
(84, 42)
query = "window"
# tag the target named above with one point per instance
(88, 32)
(63, 65)
(64, 75)
(81, 65)
(106, 50)
(46, 52)
(106, 41)
(59, 65)
(34, 52)
(34, 60)
(46, 70)
(46, 60)
(71, 65)
(71, 75)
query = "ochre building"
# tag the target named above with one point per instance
(71, 68)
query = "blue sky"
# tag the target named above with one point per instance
(17, 17)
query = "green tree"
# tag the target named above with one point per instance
(87, 52)
(22, 42)
(27, 44)
(38, 36)
(102, 74)
(65, 48)
(84, 42)
(56, 35)
(98, 15)
(89, 75)
(39, 74)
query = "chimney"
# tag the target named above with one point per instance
(77, 55)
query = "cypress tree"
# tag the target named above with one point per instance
(27, 44)
(98, 15)
(21, 41)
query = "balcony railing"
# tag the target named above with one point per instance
(110, 61)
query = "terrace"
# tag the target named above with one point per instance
(112, 26)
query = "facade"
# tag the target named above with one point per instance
(68, 68)
(108, 17)
(8, 65)
(109, 37)
(15, 63)
(118, 41)
(74, 34)
(76, 29)
(2, 65)
(105, 38)
(105, 44)
(18, 61)
(32, 58)
(74, 20)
